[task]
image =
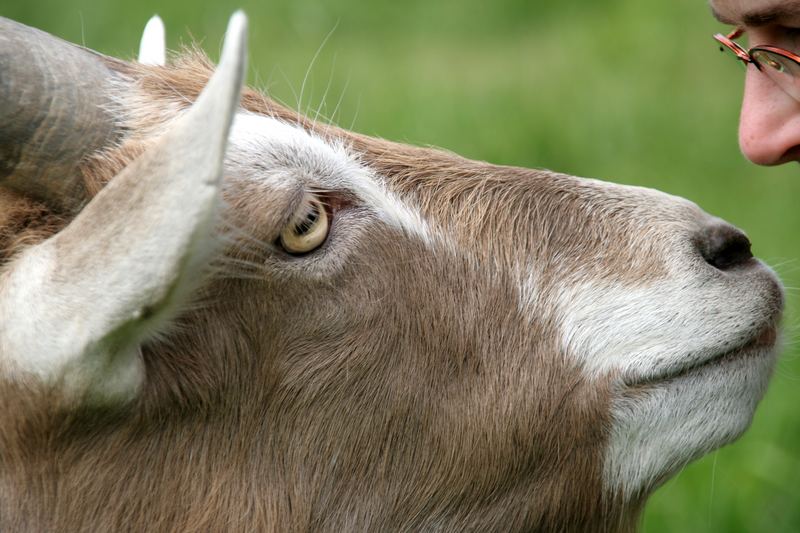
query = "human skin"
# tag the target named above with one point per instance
(769, 125)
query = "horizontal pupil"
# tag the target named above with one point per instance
(308, 223)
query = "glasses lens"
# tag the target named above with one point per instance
(782, 70)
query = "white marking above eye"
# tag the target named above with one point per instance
(258, 141)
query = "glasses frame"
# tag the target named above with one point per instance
(746, 56)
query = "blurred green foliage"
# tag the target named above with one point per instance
(623, 90)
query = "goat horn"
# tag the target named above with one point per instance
(54, 100)
(152, 48)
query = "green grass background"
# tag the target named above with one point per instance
(630, 91)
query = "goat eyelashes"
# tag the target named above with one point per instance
(309, 227)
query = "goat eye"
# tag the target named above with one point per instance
(308, 228)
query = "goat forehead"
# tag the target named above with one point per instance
(508, 219)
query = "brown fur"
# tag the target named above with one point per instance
(405, 391)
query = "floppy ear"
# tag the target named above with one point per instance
(75, 308)
(152, 48)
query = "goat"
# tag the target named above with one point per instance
(217, 314)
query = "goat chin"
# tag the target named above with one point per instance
(230, 317)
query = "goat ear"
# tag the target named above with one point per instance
(153, 47)
(75, 308)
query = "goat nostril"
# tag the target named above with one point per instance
(725, 247)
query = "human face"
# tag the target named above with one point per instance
(769, 126)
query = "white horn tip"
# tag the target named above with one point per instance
(152, 49)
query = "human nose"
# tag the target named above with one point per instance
(769, 125)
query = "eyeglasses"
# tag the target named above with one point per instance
(781, 66)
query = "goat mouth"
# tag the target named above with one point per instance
(762, 342)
